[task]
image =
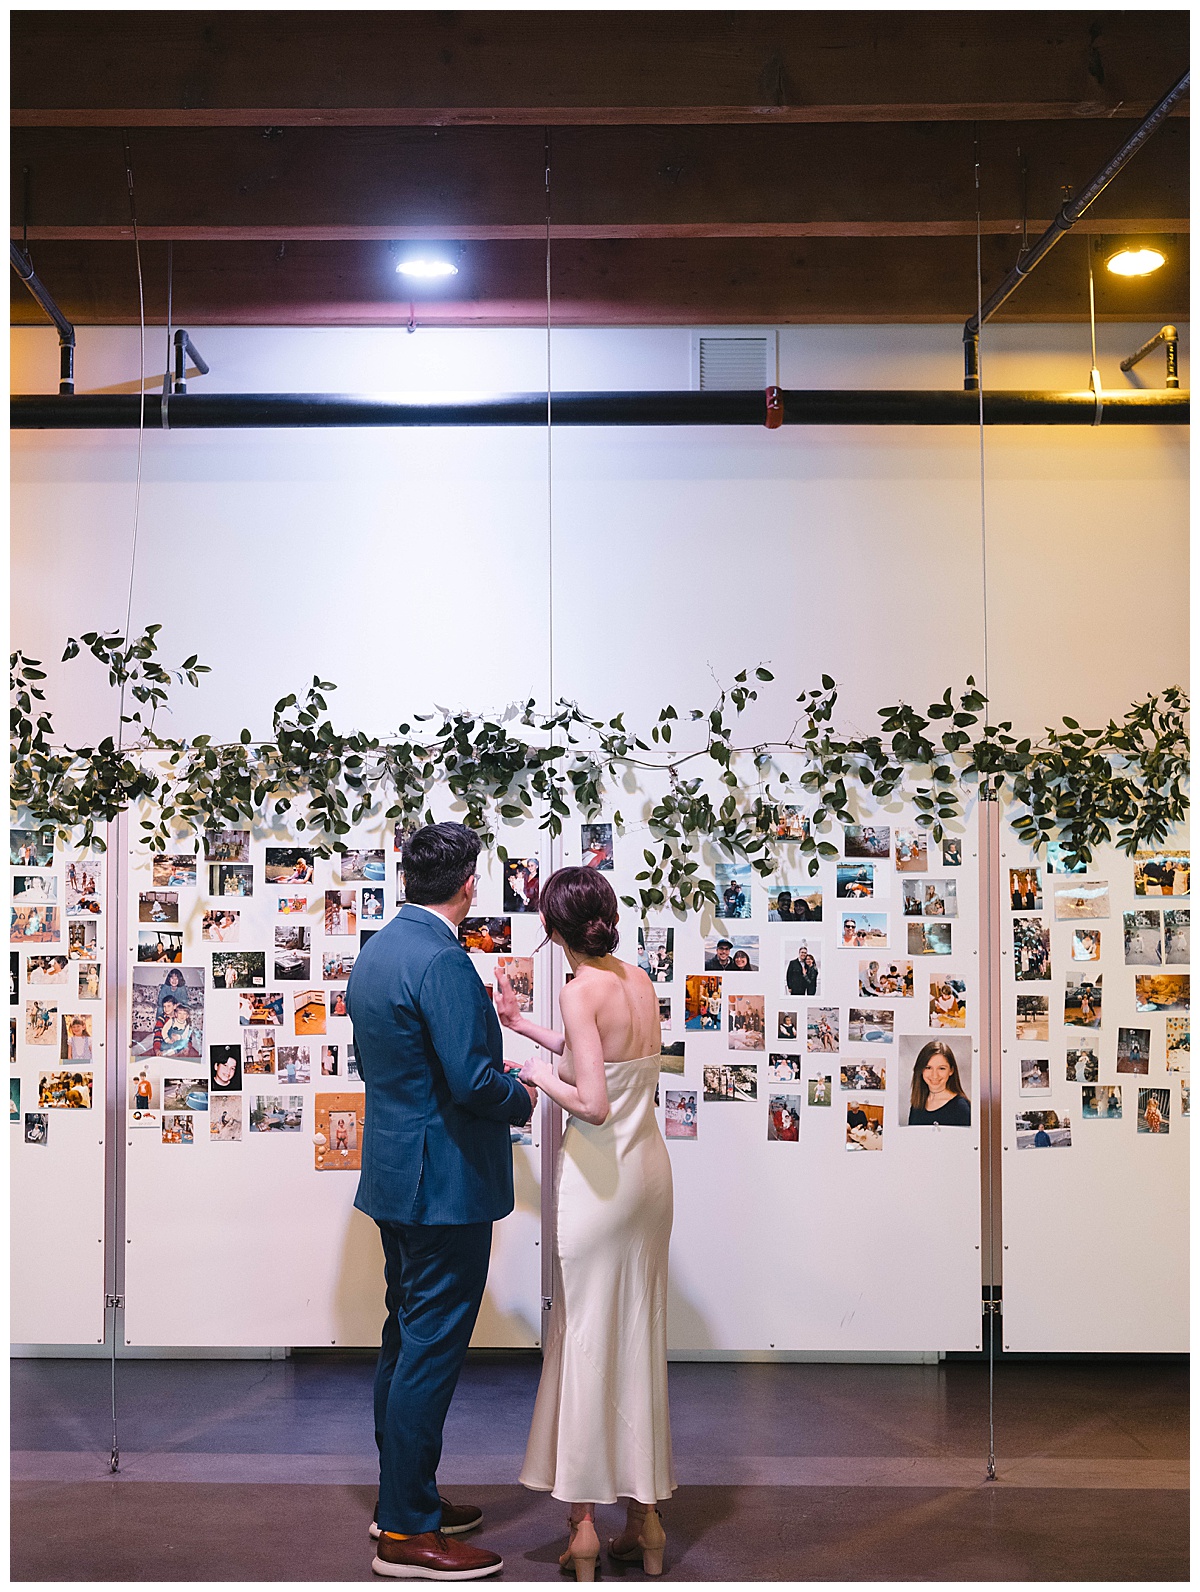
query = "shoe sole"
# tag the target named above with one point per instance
(417, 1572)
(447, 1531)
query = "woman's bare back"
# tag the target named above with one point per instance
(621, 1002)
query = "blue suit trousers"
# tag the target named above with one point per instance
(435, 1282)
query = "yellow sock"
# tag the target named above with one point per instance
(399, 1536)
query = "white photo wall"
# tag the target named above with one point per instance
(1095, 1086)
(57, 961)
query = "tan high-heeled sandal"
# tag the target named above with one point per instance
(649, 1546)
(583, 1549)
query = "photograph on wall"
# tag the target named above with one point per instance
(364, 935)
(41, 1022)
(81, 940)
(930, 898)
(786, 1025)
(951, 852)
(596, 843)
(174, 872)
(261, 1009)
(656, 953)
(794, 903)
(1154, 1111)
(168, 1011)
(783, 1068)
(671, 1057)
(239, 969)
(31, 848)
(158, 906)
(947, 1002)
(822, 1028)
(865, 930)
(1101, 1102)
(793, 824)
(291, 906)
(1085, 945)
(935, 1081)
(14, 1100)
(68, 1090)
(341, 913)
(1083, 1001)
(1133, 1050)
(37, 1127)
(870, 1025)
(747, 1022)
(225, 1120)
(75, 1043)
(1082, 898)
(142, 1093)
(736, 953)
(521, 884)
(185, 1094)
(930, 939)
(886, 980)
(309, 1008)
(337, 1132)
(47, 969)
(1033, 1018)
(730, 1083)
(486, 935)
(329, 1061)
(519, 972)
(862, 1075)
(366, 866)
(290, 865)
(258, 1051)
(293, 1064)
(400, 895)
(293, 945)
(679, 1112)
(702, 1003)
(14, 978)
(1162, 992)
(230, 879)
(30, 887)
(732, 880)
(227, 845)
(783, 1119)
(1177, 925)
(178, 1128)
(864, 1125)
(370, 906)
(84, 880)
(1025, 889)
(34, 923)
(802, 967)
(1082, 1066)
(855, 881)
(337, 1000)
(1179, 1044)
(276, 1113)
(89, 981)
(820, 1089)
(666, 1013)
(1162, 873)
(1043, 1130)
(336, 966)
(225, 1069)
(1031, 948)
(912, 851)
(872, 842)
(160, 945)
(1185, 1097)
(1058, 859)
(221, 926)
(1035, 1075)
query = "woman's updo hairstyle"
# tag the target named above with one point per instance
(580, 906)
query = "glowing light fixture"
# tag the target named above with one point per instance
(426, 268)
(1135, 262)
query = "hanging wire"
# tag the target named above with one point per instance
(170, 287)
(549, 442)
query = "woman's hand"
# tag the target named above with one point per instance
(507, 1009)
(534, 1071)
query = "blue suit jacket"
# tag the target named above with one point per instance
(436, 1145)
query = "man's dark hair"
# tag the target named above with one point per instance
(438, 860)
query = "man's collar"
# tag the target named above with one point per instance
(433, 912)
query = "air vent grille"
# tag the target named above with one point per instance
(734, 364)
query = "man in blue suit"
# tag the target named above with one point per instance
(436, 1173)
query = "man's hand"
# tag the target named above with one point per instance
(530, 1086)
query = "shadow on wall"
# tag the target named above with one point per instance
(687, 1328)
(499, 1328)
(358, 1290)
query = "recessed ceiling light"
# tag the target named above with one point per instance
(426, 268)
(1135, 262)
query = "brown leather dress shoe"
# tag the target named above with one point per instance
(433, 1557)
(456, 1518)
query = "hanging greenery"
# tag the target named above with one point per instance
(1126, 781)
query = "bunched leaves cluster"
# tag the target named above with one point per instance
(1083, 787)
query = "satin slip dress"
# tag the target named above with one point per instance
(601, 1429)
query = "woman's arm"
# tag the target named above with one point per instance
(512, 1018)
(587, 1098)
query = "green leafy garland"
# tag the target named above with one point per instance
(1079, 786)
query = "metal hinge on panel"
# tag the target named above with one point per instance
(547, 1302)
(114, 1301)
(993, 1307)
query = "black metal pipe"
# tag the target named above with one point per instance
(185, 349)
(1069, 215)
(1170, 336)
(222, 411)
(23, 266)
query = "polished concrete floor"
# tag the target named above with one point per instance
(264, 1471)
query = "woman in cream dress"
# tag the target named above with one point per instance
(600, 1426)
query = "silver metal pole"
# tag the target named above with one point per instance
(116, 1048)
